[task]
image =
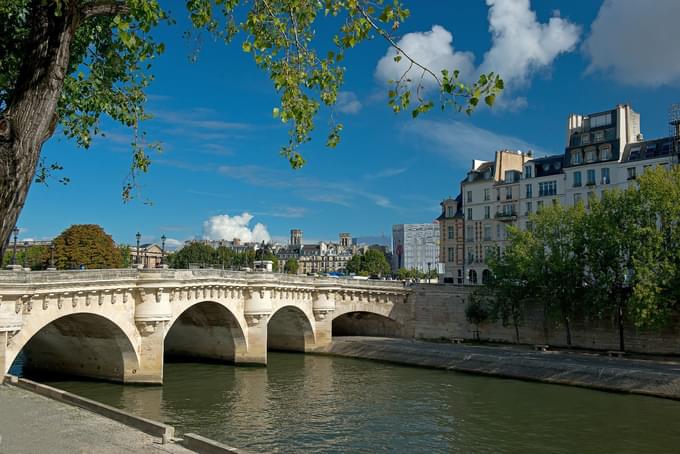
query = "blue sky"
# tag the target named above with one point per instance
(220, 173)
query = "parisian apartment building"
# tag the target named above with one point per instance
(603, 150)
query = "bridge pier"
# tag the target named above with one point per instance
(10, 323)
(152, 312)
(256, 353)
(323, 308)
(151, 352)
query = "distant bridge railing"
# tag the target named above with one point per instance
(133, 275)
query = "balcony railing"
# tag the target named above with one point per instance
(506, 216)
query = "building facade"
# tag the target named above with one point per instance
(603, 150)
(324, 257)
(452, 240)
(415, 246)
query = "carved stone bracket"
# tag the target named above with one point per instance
(159, 294)
(114, 297)
(255, 319)
(46, 301)
(321, 314)
(148, 327)
(100, 298)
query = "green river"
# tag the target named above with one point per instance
(308, 403)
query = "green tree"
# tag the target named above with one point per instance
(88, 245)
(557, 248)
(616, 232)
(291, 266)
(70, 62)
(656, 290)
(476, 311)
(125, 255)
(372, 263)
(194, 254)
(511, 288)
(36, 257)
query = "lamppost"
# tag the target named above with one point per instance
(429, 265)
(139, 237)
(14, 252)
(52, 255)
(25, 253)
(163, 238)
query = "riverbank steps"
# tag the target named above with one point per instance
(588, 370)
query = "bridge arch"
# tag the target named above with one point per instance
(81, 344)
(289, 328)
(207, 330)
(366, 323)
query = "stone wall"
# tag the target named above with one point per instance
(440, 314)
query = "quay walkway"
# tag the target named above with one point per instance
(33, 424)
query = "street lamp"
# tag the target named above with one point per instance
(25, 253)
(139, 237)
(429, 265)
(52, 255)
(14, 253)
(163, 238)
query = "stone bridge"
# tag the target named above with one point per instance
(121, 325)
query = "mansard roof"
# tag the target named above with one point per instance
(649, 149)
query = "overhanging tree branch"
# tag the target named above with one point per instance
(105, 9)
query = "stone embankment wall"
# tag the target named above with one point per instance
(439, 313)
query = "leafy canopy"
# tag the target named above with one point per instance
(114, 46)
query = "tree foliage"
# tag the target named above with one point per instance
(36, 257)
(291, 266)
(617, 261)
(88, 245)
(372, 262)
(203, 255)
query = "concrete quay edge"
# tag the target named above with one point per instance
(165, 432)
(625, 378)
(204, 445)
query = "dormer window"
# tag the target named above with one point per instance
(590, 154)
(527, 171)
(576, 157)
(599, 136)
(605, 153)
(585, 139)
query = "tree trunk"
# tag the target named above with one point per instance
(620, 314)
(567, 326)
(516, 323)
(31, 116)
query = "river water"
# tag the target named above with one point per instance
(308, 403)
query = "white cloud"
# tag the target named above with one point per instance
(385, 173)
(635, 42)
(348, 102)
(520, 47)
(462, 141)
(432, 49)
(173, 244)
(225, 227)
(521, 44)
